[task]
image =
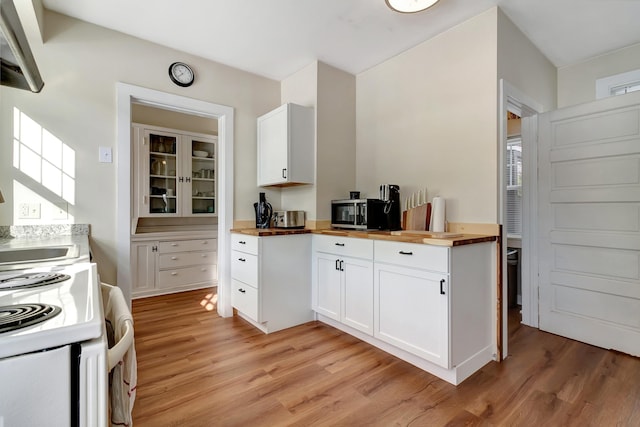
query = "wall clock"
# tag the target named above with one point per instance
(181, 74)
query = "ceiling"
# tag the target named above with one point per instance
(276, 38)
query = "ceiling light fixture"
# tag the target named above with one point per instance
(410, 6)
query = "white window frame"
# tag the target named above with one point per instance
(605, 85)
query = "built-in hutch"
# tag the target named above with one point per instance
(174, 228)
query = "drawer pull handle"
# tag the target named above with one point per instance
(441, 287)
(341, 265)
(339, 244)
(242, 259)
(174, 258)
(204, 242)
(203, 269)
(242, 242)
(204, 255)
(405, 253)
(337, 264)
(173, 273)
(241, 290)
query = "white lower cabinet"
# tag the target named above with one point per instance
(430, 305)
(173, 264)
(270, 280)
(343, 285)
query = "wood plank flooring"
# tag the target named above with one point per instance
(198, 369)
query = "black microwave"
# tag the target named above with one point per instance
(358, 214)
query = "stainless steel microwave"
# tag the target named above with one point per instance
(358, 214)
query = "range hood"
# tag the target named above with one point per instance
(17, 67)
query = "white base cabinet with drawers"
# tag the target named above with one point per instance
(431, 305)
(270, 280)
(163, 265)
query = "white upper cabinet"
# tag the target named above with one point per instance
(174, 173)
(286, 146)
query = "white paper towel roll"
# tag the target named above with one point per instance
(438, 214)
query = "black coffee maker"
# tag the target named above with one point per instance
(390, 195)
(263, 212)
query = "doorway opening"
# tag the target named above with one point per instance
(518, 192)
(127, 95)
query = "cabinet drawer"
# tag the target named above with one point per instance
(186, 276)
(244, 267)
(426, 257)
(245, 299)
(184, 259)
(244, 243)
(347, 246)
(187, 245)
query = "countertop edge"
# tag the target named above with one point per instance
(464, 239)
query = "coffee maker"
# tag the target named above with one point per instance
(264, 211)
(390, 195)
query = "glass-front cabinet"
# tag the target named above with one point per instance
(176, 173)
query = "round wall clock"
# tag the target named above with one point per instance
(181, 74)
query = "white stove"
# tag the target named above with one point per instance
(78, 298)
(63, 352)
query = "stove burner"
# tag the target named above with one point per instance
(13, 317)
(32, 280)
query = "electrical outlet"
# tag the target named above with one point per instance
(23, 211)
(29, 211)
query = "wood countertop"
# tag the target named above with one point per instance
(407, 236)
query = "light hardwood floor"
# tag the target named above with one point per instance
(198, 369)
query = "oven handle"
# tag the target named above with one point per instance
(119, 305)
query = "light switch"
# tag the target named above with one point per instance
(104, 155)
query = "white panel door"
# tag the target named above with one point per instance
(357, 294)
(589, 222)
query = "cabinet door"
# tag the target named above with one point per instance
(200, 176)
(158, 170)
(143, 266)
(273, 143)
(327, 285)
(357, 294)
(412, 313)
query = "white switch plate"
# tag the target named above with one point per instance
(104, 155)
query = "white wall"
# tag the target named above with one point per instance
(428, 117)
(523, 66)
(577, 83)
(80, 64)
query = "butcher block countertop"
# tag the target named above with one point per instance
(407, 236)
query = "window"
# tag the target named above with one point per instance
(618, 84)
(514, 186)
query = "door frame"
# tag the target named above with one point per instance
(128, 94)
(509, 97)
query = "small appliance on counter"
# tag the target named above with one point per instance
(288, 219)
(358, 214)
(390, 195)
(263, 212)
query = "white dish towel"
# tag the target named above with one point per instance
(121, 357)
